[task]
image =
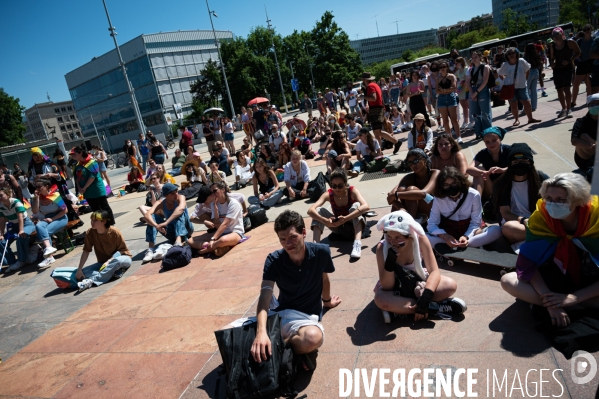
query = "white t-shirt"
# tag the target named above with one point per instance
(352, 98)
(509, 70)
(225, 152)
(276, 141)
(230, 210)
(362, 147)
(352, 133)
(229, 127)
(519, 198)
(216, 126)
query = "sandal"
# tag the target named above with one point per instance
(516, 123)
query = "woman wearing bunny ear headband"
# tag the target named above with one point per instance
(405, 286)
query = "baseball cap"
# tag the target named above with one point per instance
(168, 188)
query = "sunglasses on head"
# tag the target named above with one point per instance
(337, 186)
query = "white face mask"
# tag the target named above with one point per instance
(129, 143)
(558, 211)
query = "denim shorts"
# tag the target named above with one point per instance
(520, 94)
(229, 136)
(102, 166)
(447, 100)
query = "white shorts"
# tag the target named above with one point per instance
(291, 322)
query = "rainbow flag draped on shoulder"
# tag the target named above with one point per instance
(54, 196)
(546, 238)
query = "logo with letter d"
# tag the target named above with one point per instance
(582, 362)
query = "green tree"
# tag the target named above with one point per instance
(451, 38)
(514, 23)
(579, 12)
(468, 39)
(207, 90)
(11, 120)
(429, 50)
(408, 55)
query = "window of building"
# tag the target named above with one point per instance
(63, 109)
(63, 129)
(72, 116)
(74, 126)
(68, 126)
(56, 110)
(59, 119)
(70, 108)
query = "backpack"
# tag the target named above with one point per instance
(177, 256)
(257, 217)
(377, 164)
(64, 277)
(317, 187)
(259, 135)
(480, 75)
(247, 379)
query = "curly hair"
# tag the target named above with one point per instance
(451, 172)
(289, 219)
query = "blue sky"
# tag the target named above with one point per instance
(43, 40)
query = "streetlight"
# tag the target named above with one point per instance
(220, 58)
(274, 50)
(311, 75)
(293, 77)
(113, 33)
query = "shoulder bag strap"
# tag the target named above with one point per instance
(459, 205)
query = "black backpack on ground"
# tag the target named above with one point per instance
(257, 217)
(177, 256)
(317, 187)
(247, 379)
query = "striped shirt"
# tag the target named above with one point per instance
(10, 213)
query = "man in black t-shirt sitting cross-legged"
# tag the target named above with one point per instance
(300, 269)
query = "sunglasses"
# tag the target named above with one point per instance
(337, 186)
(414, 162)
(214, 191)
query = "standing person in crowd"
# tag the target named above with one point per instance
(168, 216)
(584, 135)
(186, 137)
(562, 54)
(297, 177)
(424, 73)
(447, 100)
(61, 163)
(347, 205)
(351, 95)
(89, 181)
(308, 105)
(557, 267)
(489, 163)
(110, 248)
(414, 193)
(13, 211)
(499, 57)
(131, 151)
(446, 152)
(266, 186)
(101, 158)
(230, 231)
(208, 135)
(477, 82)
(584, 65)
(414, 93)
(385, 90)
(258, 118)
(516, 70)
(215, 127)
(432, 84)
(376, 111)
(157, 150)
(516, 192)
(421, 136)
(246, 123)
(49, 212)
(228, 134)
(367, 149)
(394, 89)
(462, 89)
(321, 103)
(276, 138)
(536, 65)
(409, 278)
(329, 97)
(178, 160)
(144, 150)
(341, 98)
(543, 54)
(456, 215)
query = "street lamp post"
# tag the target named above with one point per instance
(274, 50)
(113, 33)
(311, 75)
(220, 58)
(293, 77)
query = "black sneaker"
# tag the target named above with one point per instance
(451, 307)
(397, 146)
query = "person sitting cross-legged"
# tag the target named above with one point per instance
(110, 248)
(301, 271)
(227, 217)
(202, 213)
(347, 205)
(174, 222)
(409, 278)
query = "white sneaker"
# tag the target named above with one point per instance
(562, 113)
(16, 266)
(85, 284)
(46, 262)
(464, 126)
(148, 256)
(357, 250)
(158, 254)
(459, 140)
(48, 251)
(569, 113)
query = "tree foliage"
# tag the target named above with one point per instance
(514, 23)
(476, 36)
(207, 90)
(11, 120)
(579, 12)
(252, 72)
(383, 68)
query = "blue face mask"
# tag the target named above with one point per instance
(558, 211)
(594, 110)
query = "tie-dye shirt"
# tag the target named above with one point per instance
(89, 169)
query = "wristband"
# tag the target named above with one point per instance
(428, 198)
(324, 300)
(424, 301)
(523, 221)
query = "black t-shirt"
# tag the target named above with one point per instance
(208, 135)
(587, 125)
(486, 159)
(259, 118)
(300, 287)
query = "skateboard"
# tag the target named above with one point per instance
(505, 260)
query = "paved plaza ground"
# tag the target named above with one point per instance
(150, 334)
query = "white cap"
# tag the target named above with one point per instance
(592, 97)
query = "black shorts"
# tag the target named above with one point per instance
(562, 78)
(595, 76)
(376, 117)
(584, 68)
(583, 164)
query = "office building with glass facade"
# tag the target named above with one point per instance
(161, 68)
(376, 49)
(544, 12)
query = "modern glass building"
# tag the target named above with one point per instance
(544, 12)
(376, 49)
(161, 68)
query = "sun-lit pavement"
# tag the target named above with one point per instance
(150, 334)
